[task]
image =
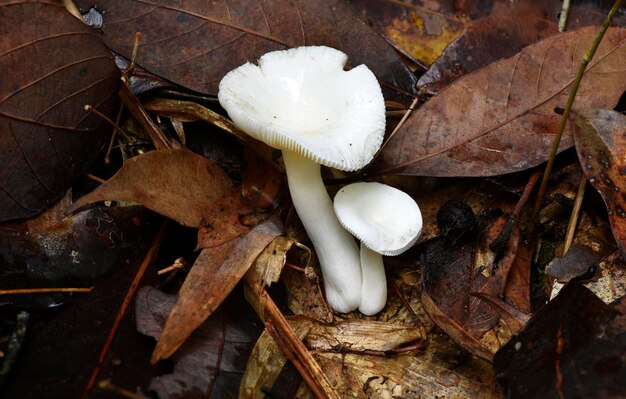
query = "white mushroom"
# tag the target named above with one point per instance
(388, 222)
(302, 102)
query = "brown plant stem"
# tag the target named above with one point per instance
(573, 221)
(294, 349)
(568, 107)
(43, 290)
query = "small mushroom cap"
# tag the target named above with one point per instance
(302, 100)
(385, 219)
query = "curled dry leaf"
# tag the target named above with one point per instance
(501, 118)
(212, 277)
(50, 69)
(194, 44)
(181, 185)
(600, 137)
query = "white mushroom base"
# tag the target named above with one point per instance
(374, 286)
(336, 249)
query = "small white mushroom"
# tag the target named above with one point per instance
(388, 222)
(302, 102)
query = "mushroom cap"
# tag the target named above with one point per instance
(385, 219)
(302, 100)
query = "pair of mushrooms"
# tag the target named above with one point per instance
(302, 102)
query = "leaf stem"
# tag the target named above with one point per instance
(568, 107)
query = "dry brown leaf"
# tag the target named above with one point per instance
(212, 277)
(501, 118)
(363, 336)
(178, 184)
(600, 137)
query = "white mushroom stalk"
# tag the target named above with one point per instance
(302, 102)
(388, 222)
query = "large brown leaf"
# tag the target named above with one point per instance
(51, 66)
(600, 137)
(501, 118)
(194, 43)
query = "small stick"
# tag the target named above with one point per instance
(89, 108)
(568, 107)
(178, 264)
(95, 178)
(106, 385)
(156, 243)
(107, 156)
(133, 57)
(564, 15)
(312, 371)
(573, 220)
(22, 291)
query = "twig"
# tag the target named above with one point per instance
(310, 370)
(568, 107)
(95, 178)
(573, 220)
(563, 16)
(156, 243)
(42, 290)
(106, 385)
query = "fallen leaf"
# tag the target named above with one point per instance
(600, 138)
(195, 45)
(363, 336)
(60, 354)
(210, 280)
(509, 27)
(50, 70)
(459, 276)
(417, 31)
(501, 118)
(181, 185)
(574, 346)
(211, 362)
(51, 250)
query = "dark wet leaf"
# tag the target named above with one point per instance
(574, 347)
(463, 279)
(600, 137)
(53, 251)
(212, 361)
(501, 118)
(195, 43)
(52, 65)
(61, 352)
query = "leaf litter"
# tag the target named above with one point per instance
(400, 351)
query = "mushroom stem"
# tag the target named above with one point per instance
(336, 249)
(374, 286)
